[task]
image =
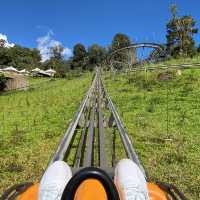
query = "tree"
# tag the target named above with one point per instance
(2, 43)
(21, 57)
(56, 61)
(5, 57)
(57, 52)
(96, 54)
(198, 49)
(180, 32)
(80, 57)
(59, 66)
(119, 41)
(79, 51)
(173, 10)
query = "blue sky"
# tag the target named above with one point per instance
(26, 22)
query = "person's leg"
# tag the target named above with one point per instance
(130, 181)
(54, 181)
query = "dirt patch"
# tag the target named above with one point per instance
(165, 76)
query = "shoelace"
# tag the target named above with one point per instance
(134, 192)
(51, 193)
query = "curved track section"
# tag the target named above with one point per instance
(157, 53)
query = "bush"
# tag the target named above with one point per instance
(2, 82)
(61, 73)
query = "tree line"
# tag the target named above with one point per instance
(179, 43)
(83, 58)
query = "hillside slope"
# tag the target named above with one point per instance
(32, 124)
(162, 116)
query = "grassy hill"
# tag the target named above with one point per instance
(162, 117)
(32, 123)
(160, 109)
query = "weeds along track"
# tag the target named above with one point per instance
(162, 116)
(95, 133)
(32, 123)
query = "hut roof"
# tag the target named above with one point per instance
(36, 70)
(22, 71)
(50, 71)
(44, 73)
(10, 69)
(12, 76)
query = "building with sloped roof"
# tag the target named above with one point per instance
(15, 82)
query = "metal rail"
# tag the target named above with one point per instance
(131, 153)
(158, 50)
(93, 132)
(65, 142)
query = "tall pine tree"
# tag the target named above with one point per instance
(180, 32)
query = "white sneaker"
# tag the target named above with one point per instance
(54, 181)
(130, 181)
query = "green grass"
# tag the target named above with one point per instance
(195, 59)
(177, 61)
(32, 123)
(167, 144)
(38, 80)
(181, 60)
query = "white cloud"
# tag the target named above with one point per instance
(7, 44)
(46, 42)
